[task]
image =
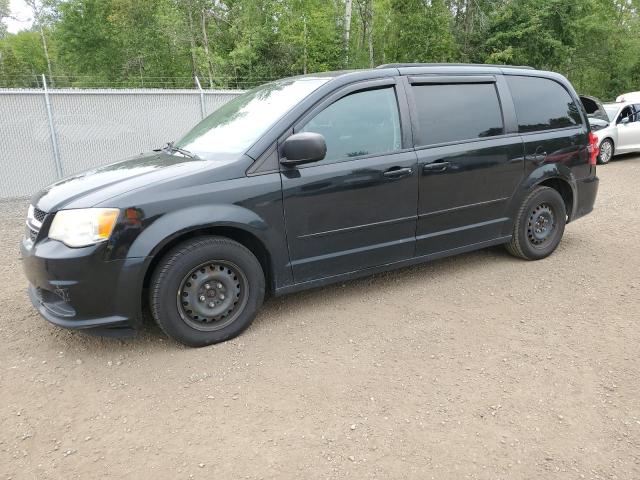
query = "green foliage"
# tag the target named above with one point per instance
(241, 43)
(22, 59)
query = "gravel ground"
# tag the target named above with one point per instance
(477, 366)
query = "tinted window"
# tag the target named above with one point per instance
(448, 113)
(362, 123)
(542, 104)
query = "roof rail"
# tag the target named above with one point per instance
(401, 65)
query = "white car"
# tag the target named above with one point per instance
(629, 97)
(616, 125)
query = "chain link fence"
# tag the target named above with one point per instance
(48, 134)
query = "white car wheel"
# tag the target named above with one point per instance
(606, 151)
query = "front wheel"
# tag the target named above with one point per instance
(539, 225)
(606, 151)
(206, 290)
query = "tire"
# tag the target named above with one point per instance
(606, 153)
(539, 225)
(206, 290)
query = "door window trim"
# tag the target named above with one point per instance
(435, 79)
(357, 87)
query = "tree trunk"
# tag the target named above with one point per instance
(205, 44)
(192, 42)
(348, 4)
(304, 66)
(370, 35)
(46, 55)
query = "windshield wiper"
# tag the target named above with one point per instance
(172, 148)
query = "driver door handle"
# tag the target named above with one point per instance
(538, 157)
(397, 172)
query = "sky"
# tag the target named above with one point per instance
(21, 12)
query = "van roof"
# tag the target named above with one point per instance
(405, 65)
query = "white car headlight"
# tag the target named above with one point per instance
(83, 227)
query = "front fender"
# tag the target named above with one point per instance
(174, 224)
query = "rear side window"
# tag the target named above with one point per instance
(362, 123)
(457, 112)
(542, 104)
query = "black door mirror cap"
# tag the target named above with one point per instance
(304, 147)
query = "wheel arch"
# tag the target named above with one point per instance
(565, 190)
(609, 137)
(558, 177)
(244, 237)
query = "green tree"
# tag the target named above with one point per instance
(420, 32)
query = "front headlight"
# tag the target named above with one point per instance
(83, 227)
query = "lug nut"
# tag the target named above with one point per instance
(202, 299)
(219, 285)
(207, 286)
(211, 304)
(221, 296)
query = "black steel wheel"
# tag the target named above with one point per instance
(206, 290)
(212, 295)
(539, 225)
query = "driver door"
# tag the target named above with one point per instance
(355, 209)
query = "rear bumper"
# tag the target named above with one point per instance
(586, 192)
(76, 288)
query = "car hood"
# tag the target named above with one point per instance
(99, 185)
(594, 107)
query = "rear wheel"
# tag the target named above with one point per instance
(539, 225)
(206, 290)
(606, 151)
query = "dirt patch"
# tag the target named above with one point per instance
(477, 366)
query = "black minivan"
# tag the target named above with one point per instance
(311, 180)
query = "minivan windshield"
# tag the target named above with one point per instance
(238, 124)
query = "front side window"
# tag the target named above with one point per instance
(238, 124)
(624, 113)
(457, 112)
(542, 104)
(362, 123)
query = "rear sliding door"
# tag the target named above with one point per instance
(470, 160)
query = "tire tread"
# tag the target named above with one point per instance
(169, 261)
(514, 247)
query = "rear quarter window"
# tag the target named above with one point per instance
(542, 104)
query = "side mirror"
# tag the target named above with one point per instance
(625, 120)
(305, 147)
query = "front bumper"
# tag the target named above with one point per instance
(77, 288)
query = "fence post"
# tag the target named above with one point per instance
(203, 112)
(52, 130)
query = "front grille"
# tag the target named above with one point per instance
(39, 214)
(35, 218)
